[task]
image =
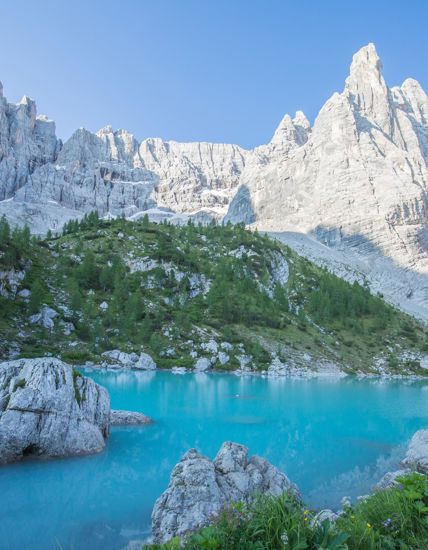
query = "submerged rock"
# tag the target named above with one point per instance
(417, 452)
(48, 409)
(128, 418)
(199, 488)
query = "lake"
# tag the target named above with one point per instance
(331, 437)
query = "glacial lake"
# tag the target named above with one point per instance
(331, 437)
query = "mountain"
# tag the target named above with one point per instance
(350, 193)
(193, 296)
(358, 183)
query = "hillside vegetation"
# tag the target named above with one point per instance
(171, 290)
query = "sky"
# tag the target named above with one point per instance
(198, 70)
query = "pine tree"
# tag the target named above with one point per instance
(37, 296)
(145, 223)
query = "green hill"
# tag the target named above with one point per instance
(171, 290)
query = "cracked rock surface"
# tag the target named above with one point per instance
(199, 488)
(48, 409)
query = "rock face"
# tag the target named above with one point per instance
(46, 409)
(199, 488)
(417, 452)
(355, 183)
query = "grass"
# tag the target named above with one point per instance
(391, 519)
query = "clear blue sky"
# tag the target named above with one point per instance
(213, 70)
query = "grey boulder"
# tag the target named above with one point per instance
(417, 452)
(48, 409)
(389, 480)
(121, 359)
(128, 418)
(45, 317)
(200, 488)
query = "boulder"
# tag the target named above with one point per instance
(45, 317)
(389, 480)
(129, 360)
(48, 409)
(200, 488)
(417, 452)
(203, 363)
(223, 358)
(128, 418)
(145, 362)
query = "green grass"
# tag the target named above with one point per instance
(392, 519)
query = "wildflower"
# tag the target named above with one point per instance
(369, 526)
(306, 512)
(387, 522)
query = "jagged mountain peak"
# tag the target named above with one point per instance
(26, 100)
(366, 59)
(292, 131)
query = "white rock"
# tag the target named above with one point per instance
(200, 488)
(24, 293)
(68, 328)
(226, 346)
(128, 418)
(145, 362)
(210, 347)
(46, 410)
(121, 359)
(45, 318)
(223, 358)
(202, 364)
(389, 480)
(417, 452)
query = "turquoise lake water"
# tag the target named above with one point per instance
(331, 437)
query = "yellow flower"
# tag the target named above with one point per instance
(369, 526)
(306, 512)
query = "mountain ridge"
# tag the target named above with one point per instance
(356, 181)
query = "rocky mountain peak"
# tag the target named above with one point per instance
(417, 99)
(366, 60)
(292, 132)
